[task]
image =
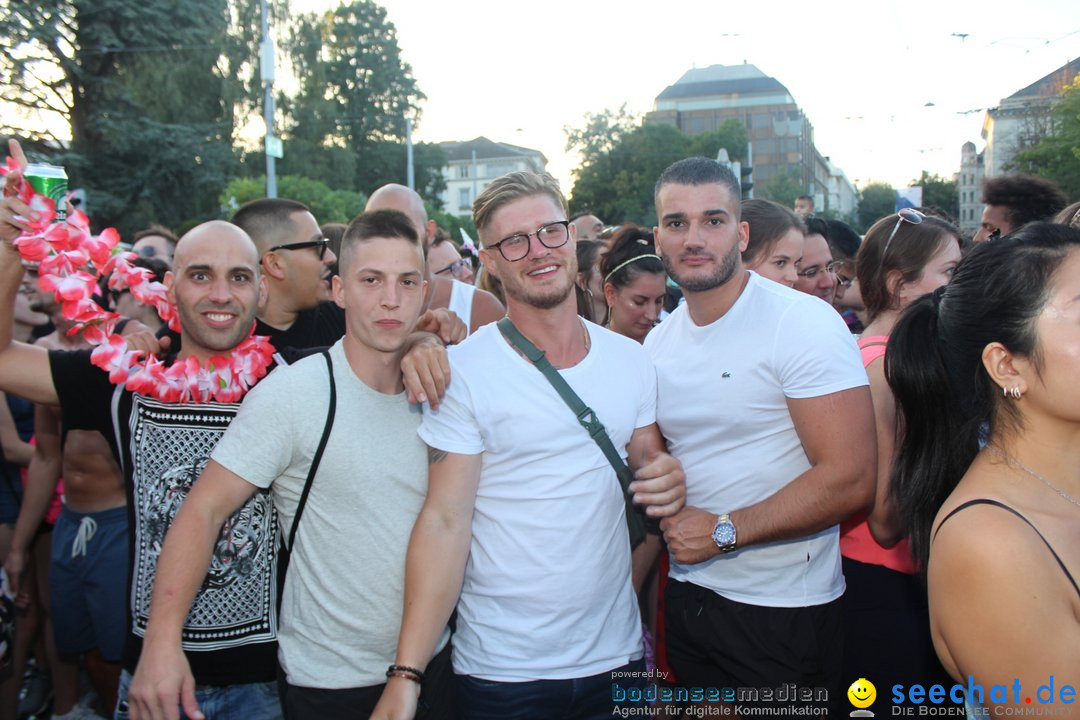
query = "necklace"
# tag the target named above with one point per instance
(1034, 474)
(70, 263)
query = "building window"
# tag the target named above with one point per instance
(500, 169)
(464, 203)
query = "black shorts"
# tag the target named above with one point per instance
(756, 656)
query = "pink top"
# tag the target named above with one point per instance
(856, 542)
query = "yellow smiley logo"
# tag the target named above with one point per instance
(862, 693)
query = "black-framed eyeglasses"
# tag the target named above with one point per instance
(903, 215)
(320, 246)
(812, 272)
(457, 268)
(551, 235)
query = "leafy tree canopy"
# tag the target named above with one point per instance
(1057, 156)
(876, 200)
(782, 188)
(939, 193)
(622, 159)
(327, 204)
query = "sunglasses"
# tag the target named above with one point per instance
(320, 246)
(904, 215)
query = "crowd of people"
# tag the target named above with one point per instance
(577, 471)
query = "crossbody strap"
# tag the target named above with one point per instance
(585, 416)
(318, 453)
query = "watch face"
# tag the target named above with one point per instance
(724, 534)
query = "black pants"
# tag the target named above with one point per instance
(437, 700)
(887, 628)
(754, 654)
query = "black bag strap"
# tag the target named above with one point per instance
(588, 419)
(318, 453)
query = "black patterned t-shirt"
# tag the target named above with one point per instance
(230, 634)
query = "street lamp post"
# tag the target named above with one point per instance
(266, 69)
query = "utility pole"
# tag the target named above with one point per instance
(266, 69)
(410, 173)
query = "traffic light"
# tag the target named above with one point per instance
(746, 181)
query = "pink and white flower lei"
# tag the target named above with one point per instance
(70, 261)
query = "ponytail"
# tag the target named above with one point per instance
(935, 442)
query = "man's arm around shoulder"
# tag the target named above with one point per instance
(163, 679)
(434, 571)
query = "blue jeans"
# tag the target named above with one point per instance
(587, 698)
(252, 701)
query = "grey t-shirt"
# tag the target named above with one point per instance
(341, 608)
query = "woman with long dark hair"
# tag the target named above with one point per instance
(987, 476)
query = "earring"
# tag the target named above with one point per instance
(1004, 391)
(1015, 392)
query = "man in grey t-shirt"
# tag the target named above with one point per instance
(341, 606)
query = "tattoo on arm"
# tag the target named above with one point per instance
(435, 455)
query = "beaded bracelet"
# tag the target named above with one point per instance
(404, 671)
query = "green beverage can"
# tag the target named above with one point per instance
(50, 181)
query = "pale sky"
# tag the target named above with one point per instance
(863, 72)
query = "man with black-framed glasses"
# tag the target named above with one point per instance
(523, 528)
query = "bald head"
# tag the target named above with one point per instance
(400, 198)
(212, 238)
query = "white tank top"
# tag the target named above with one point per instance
(461, 297)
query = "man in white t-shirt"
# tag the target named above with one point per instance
(524, 518)
(341, 602)
(763, 398)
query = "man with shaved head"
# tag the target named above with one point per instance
(216, 284)
(476, 307)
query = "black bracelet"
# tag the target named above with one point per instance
(405, 671)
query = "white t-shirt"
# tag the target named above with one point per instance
(547, 592)
(341, 608)
(722, 406)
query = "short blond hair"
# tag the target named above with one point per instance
(513, 186)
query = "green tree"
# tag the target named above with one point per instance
(453, 224)
(782, 188)
(875, 202)
(731, 135)
(327, 204)
(938, 192)
(1057, 156)
(621, 160)
(618, 185)
(146, 91)
(355, 93)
